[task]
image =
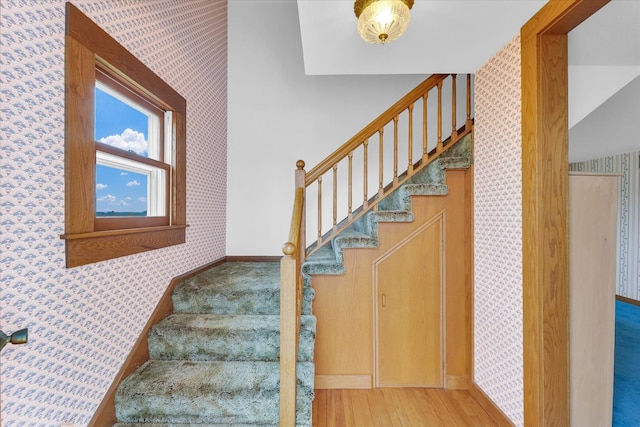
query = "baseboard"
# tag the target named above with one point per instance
(490, 408)
(253, 258)
(628, 300)
(343, 382)
(455, 382)
(105, 415)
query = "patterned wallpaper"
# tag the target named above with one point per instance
(628, 268)
(83, 321)
(498, 232)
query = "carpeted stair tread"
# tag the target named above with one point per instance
(323, 261)
(209, 392)
(235, 288)
(231, 288)
(225, 337)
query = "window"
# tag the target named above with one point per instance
(125, 139)
(131, 172)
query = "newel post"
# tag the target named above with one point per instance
(294, 251)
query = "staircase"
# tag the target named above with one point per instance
(215, 360)
(396, 207)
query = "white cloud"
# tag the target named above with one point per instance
(130, 140)
(123, 203)
(101, 186)
(142, 199)
(128, 198)
(108, 198)
(124, 173)
(133, 183)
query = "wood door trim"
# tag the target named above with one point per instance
(545, 142)
(440, 216)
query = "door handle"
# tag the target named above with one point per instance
(18, 337)
(384, 300)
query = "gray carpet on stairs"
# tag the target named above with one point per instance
(396, 207)
(214, 361)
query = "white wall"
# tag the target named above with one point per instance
(84, 321)
(277, 115)
(606, 130)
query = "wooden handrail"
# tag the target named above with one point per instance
(374, 127)
(290, 247)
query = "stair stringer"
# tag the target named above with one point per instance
(395, 207)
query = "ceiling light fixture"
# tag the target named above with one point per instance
(382, 21)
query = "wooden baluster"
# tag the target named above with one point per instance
(335, 198)
(300, 176)
(425, 149)
(350, 201)
(454, 129)
(365, 202)
(395, 150)
(381, 163)
(319, 210)
(439, 148)
(467, 124)
(410, 148)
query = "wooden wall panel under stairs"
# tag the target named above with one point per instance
(344, 304)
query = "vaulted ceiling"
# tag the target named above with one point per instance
(459, 36)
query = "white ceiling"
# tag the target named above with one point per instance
(459, 36)
(453, 36)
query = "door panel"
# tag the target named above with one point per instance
(408, 310)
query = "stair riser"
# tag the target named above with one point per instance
(220, 409)
(265, 302)
(241, 303)
(243, 345)
(233, 392)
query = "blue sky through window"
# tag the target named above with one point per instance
(124, 127)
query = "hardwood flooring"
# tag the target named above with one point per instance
(398, 407)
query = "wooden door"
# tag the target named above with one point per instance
(408, 310)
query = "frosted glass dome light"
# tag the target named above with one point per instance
(382, 21)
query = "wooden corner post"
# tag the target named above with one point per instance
(545, 147)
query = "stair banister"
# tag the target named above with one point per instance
(295, 249)
(360, 141)
(291, 284)
(373, 127)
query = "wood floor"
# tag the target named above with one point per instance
(402, 407)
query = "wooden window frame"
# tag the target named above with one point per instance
(87, 49)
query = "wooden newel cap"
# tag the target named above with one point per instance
(300, 164)
(288, 248)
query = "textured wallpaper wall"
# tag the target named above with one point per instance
(628, 268)
(83, 321)
(498, 232)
